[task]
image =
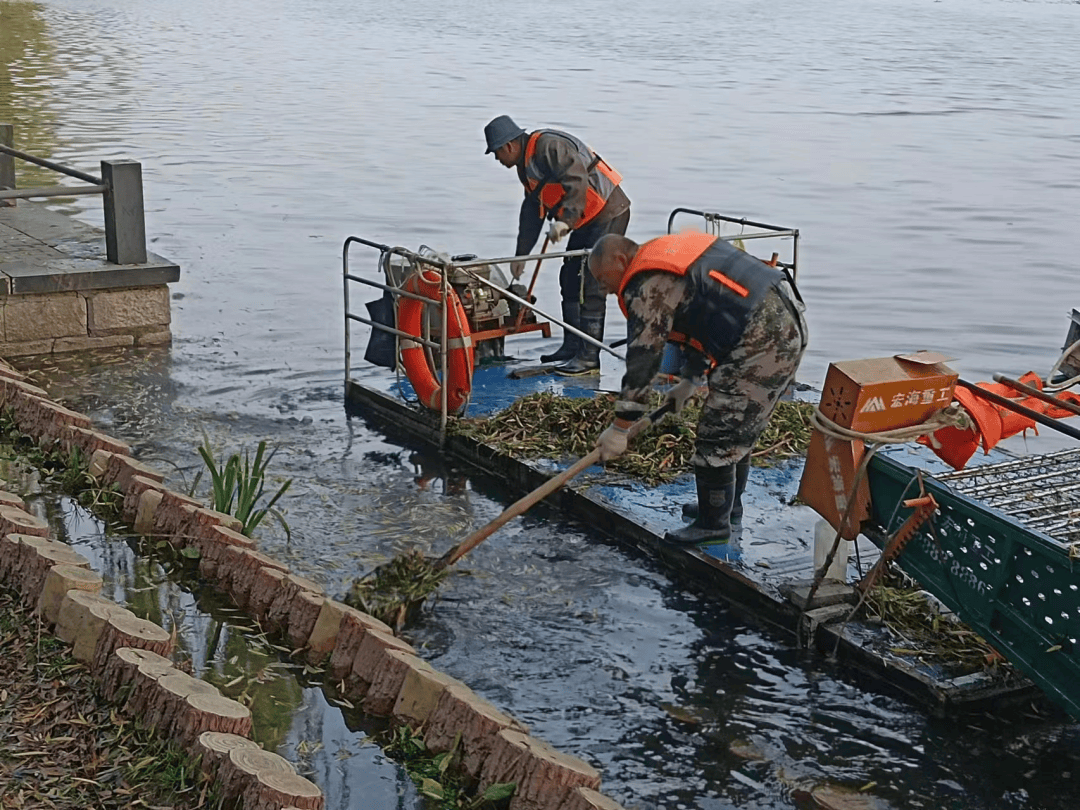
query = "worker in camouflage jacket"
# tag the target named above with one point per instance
(573, 187)
(740, 323)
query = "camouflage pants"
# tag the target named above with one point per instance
(746, 385)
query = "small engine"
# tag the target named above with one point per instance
(485, 307)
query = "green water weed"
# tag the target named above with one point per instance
(238, 484)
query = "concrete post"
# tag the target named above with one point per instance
(7, 162)
(125, 224)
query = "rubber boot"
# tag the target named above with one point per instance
(716, 496)
(587, 359)
(571, 314)
(742, 475)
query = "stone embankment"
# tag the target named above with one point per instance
(131, 657)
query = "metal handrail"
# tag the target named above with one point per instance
(446, 268)
(98, 185)
(773, 232)
(48, 164)
(120, 187)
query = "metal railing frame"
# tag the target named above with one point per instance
(120, 186)
(446, 269)
(712, 225)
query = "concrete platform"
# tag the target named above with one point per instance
(58, 293)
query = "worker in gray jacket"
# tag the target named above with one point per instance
(573, 187)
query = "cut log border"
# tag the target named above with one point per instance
(362, 657)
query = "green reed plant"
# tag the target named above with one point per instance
(238, 484)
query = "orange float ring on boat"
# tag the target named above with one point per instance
(460, 355)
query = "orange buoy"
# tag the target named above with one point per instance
(460, 356)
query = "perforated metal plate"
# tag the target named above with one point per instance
(1016, 585)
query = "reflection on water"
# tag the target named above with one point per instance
(925, 150)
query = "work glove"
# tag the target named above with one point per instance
(517, 269)
(682, 391)
(557, 231)
(612, 442)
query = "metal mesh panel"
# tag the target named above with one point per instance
(1003, 551)
(1042, 492)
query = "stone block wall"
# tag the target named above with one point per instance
(56, 322)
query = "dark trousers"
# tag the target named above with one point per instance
(571, 275)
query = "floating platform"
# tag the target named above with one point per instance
(766, 572)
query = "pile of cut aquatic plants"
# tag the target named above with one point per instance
(546, 425)
(62, 747)
(935, 636)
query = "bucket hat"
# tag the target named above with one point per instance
(500, 131)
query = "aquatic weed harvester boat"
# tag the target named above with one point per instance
(997, 543)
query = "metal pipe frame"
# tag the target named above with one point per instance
(48, 164)
(52, 191)
(775, 231)
(446, 267)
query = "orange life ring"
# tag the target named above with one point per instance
(460, 355)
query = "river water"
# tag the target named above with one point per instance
(927, 151)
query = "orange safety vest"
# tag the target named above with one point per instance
(726, 284)
(602, 179)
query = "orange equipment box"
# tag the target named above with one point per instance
(868, 396)
(887, 392)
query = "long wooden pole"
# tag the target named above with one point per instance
(525, 503)
(528, 295)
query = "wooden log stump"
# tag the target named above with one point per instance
(82, 619)
(16, 521)
(205, 712)
(370, 658)
(167, 702)
(129, 631)
(143, 522)
(583, 798)
(11, 499)
(138, 486)
(50, 419)
(60, 580)
(419, 694)
(88, 441)
(169, 515)
(240, 769)
(122, 671)
(462, 711)
(272, 790)
(122, 469)
(144, 687)
(99, 462)
(306, 609)
(352, 626)
(212, 548)
(387, 680)
(280, 608)
(35, 567)
(238, 570)
(264, 587)
(9, 554)
(212, 747)
(197, 521)
(324, 632)
(545, 777)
